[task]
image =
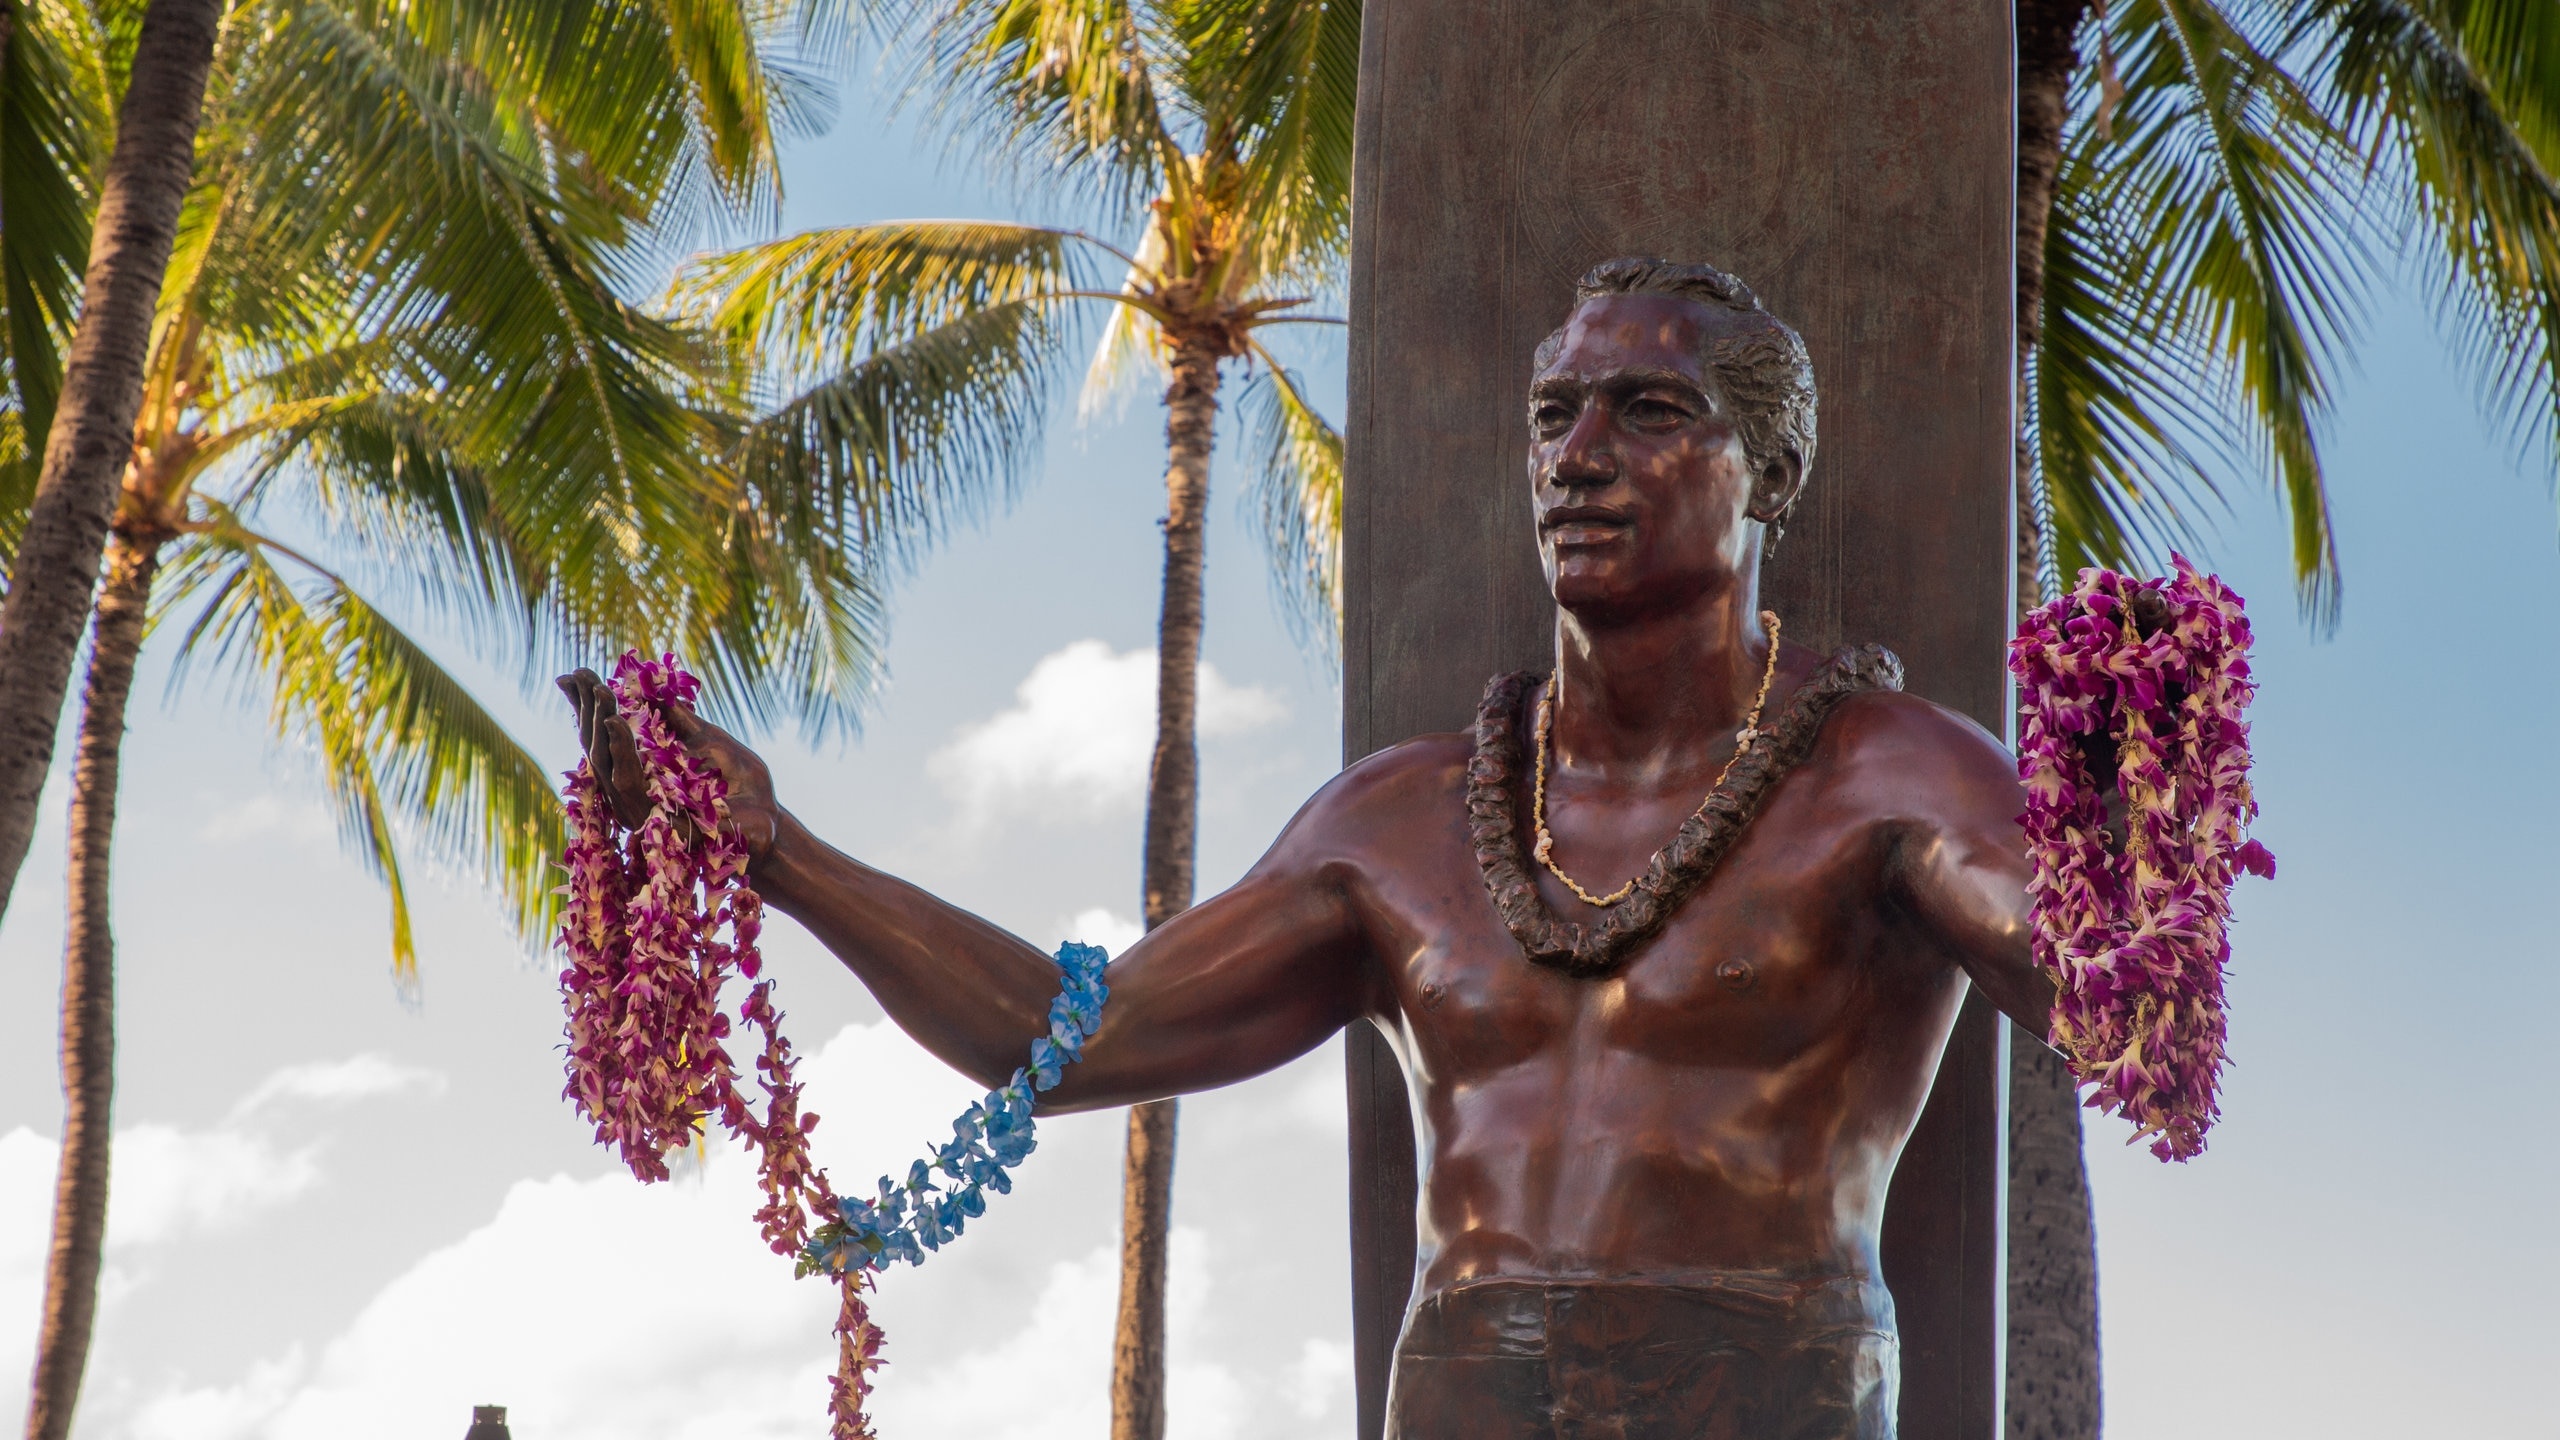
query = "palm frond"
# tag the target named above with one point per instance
(799, 628)
(812, 303)
(2118, 413)
(2460, 99)
(716, 49)
(1279, 78)
(785, 621)
(1073, 84)
(433, 189)
(1132, 346)
(524, 567)
(119, 27)
(652, 94)
(1296, 497)
(17, 484)
(55, 117)
(390, 478)
(2231, 174)
(884, 455)
(921, 356)
(398, 286)
(499, 287)
(402, 746)
(545, 544)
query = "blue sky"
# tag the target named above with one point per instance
(338, 1214)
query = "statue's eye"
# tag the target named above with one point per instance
(1649, 410)
(1551, 415)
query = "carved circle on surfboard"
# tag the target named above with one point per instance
(1599, 174)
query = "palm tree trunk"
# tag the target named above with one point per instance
(2047, 56)
(2053, 1389)
(88, 1001)
(2053, 1359)
(1173, 823)
(92, 437)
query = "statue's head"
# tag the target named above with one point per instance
(1671, 426)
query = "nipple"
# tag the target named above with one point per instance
(1736, 974)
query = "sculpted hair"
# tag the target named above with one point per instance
(1757, 359)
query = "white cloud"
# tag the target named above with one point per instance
(591, 1308)
(1079, 736)
(1052, 1375)
(1316, 1101)
(1103, 927)
(26, 1227)
(599, 1307)
(602, 1309)
(1320, 1378)
(235, 1410)
(1062, 1345)
(338, 1082)
(170, 1184)
(167, 1185)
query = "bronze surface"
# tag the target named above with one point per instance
(1852, 160)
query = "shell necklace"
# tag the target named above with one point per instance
(1546, 847)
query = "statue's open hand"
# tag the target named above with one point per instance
(753, 816)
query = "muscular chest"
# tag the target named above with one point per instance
(1768, 956)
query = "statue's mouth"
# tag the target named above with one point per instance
(1584, 525)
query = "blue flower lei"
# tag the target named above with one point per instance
(990, 1137)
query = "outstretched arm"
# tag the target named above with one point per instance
(1248, 980)
(1237, 985)
(1961, 861)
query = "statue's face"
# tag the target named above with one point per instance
(1640, 481)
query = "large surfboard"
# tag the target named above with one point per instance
(1852, 160)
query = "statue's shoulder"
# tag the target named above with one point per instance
(1420, 785)
(1376, 805)
(1441, 762)
(1407, 770)
(1907, 740)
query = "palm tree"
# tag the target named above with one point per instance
(2201, 215)
(57, 488)
(1212, 138)
(388, 346)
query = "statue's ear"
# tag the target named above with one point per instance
(1773, 490)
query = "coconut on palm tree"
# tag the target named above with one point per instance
(1210, 144)
(388, 355)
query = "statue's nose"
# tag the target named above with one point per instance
(1584, 459)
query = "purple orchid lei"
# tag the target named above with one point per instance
(646, 1060)
(2138, 688)
(643, 932)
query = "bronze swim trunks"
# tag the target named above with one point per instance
(1742, 1355)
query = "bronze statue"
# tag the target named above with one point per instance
(1656, 1133)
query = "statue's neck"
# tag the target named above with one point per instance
(1659, 690)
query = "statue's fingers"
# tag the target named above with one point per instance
(599, 758)
(618, 738)
(591, 713)
(587, 694)
(626, 780)
(687, 726)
